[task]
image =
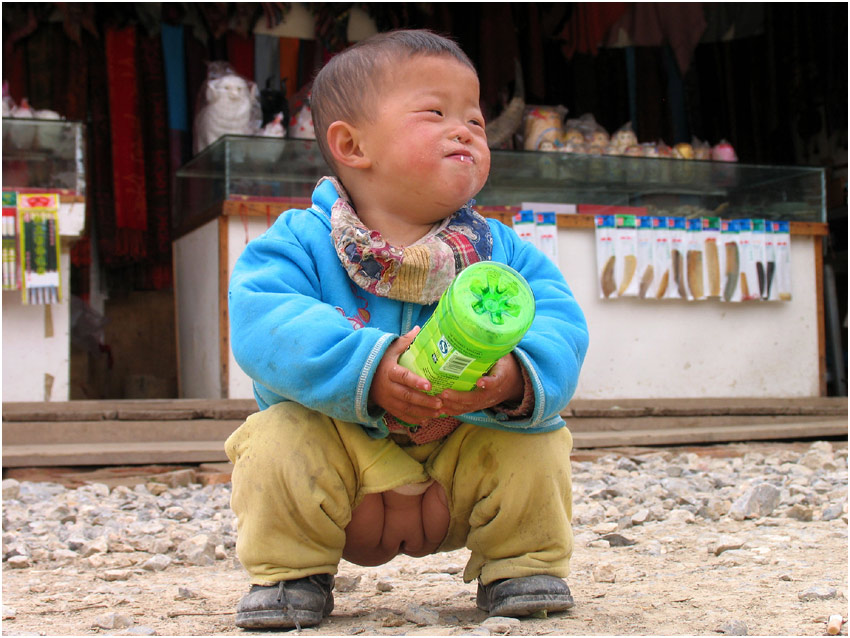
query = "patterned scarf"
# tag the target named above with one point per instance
(418, 273)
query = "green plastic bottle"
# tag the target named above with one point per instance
(480, 318)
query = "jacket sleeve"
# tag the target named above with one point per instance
(292, 344)
(555, 345)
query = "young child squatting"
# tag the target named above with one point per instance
(321, 307)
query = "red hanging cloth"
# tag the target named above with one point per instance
(128, 159)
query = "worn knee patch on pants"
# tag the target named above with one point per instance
(298, 474)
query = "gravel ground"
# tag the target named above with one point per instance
(725, 539)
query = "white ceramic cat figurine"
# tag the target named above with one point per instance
(230, 106)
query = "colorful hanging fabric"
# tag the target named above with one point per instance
(240, 53)
(157, 151)
(174, 61)
(266, 62)
(128, 161)
(10, 241)
(589, 25)
(288, 49)
(38, 247)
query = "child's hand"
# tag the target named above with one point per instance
(503, 383)
(401, 392)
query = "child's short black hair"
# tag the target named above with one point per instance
(344, 87)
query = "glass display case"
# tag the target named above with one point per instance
(235, 167)
(233, 190)
(284, 170)
(686, 188)
(44, 155)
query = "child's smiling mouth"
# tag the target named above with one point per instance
(464, 157)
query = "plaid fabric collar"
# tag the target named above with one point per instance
(418, 273)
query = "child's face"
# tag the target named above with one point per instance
(426, 141)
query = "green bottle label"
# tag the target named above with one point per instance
(480, 318)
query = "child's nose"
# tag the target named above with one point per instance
(461, 133)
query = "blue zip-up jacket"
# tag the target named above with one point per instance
(304, 332)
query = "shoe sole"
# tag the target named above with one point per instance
(277, 619)
(527, 605)
(282, 618)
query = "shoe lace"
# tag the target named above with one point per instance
(281, 596)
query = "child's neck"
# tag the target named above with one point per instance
(395, 231)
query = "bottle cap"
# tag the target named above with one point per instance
(489, 305)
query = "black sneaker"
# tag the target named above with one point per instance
(524, 596)
(291, 603)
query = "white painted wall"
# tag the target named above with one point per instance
(28, 355)
(239, 234)
(196, 272)
(681, 349)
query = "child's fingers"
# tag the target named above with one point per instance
(455, 402)
(407, 378)
(412, 398)
(401, 344)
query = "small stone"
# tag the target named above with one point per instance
(184, 593)
(198, 550)
(604, 574)
(346, 583)
(640, 517)
(682, 516)
(111, 575)
(733, 628)
(501, 624)
(618, 540)
(156, 563)
(724, 544)
(157, 488)
(760, 501)
(63, 555)
(100, 490)
(11, 489)
(419, 615)
(800, 513)
(384, 585)
(15, 549)
(831, 512)
(112, 620)
(605, 528)
(819, 592)
(599, 544)
(386, 618)
(9, 613)
(176, 513)
(18, 562)
(178, 478)
(99, 545)
(161, 546)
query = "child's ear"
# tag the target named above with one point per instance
(344, 144)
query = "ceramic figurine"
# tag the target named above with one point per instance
(229, 105)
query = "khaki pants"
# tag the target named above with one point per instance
(298, 475)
